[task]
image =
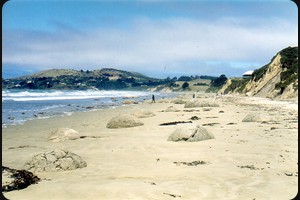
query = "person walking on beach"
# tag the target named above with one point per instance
(153, 99)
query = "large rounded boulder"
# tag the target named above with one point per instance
(196, 103)
(171, 109)
(191, 133)
(54, 160)
(252, 118)
(63, 134)
(178, 101)
(143, 114)
(124, 121)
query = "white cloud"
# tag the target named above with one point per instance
(181, 44)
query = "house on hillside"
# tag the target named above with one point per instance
(248, 74)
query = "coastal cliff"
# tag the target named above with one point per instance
(276, 80)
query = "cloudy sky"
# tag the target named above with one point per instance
(158, 38)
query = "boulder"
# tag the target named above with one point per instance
(196, 103)
(191, 133)
(63, 134)
(178, 101)
(252, 118)
(128, 102)
(163, 101)
(143, 114)
(54, 160)
(171, 109)
(124, 121)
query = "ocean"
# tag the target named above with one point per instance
(19, 106)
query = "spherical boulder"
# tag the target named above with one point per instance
(252, 118)
(54, 160)
(196, 103)
(128, 102)
(63, 134)
(178, 101)
(124, 121)
(171, 109)
(143, 114)
(190, 133)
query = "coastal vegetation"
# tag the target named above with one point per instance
(289, 61)
(103, 79)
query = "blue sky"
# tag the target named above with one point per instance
(158, 38)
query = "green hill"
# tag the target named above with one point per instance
(106, 78)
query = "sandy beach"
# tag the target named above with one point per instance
(245, 160)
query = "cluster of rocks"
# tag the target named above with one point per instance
(49, 161)
(61, 160)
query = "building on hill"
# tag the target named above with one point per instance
(248, 74)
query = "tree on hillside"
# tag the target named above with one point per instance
(184, 78)
(218, 82)
(185, 85)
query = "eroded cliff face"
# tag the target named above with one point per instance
(265, 85)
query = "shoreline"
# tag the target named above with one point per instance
(49, 107)
(139, 162)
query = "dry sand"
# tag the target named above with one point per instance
(246, 160)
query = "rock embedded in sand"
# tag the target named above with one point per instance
(252, 118)
(163, 101)
(55, 160)
(196, 103)
(143, 114)
(195, 118)
(128, 102)
(63, 134)
(124, 121)
(171, 109)
(190, 133)
(178, 101)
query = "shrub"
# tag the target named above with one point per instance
(185, 85)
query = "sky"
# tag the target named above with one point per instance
(158, 38)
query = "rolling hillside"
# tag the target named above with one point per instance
(106, 78)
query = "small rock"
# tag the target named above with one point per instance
(288, 174)
(195, 118)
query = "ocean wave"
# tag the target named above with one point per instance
(66, 95)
